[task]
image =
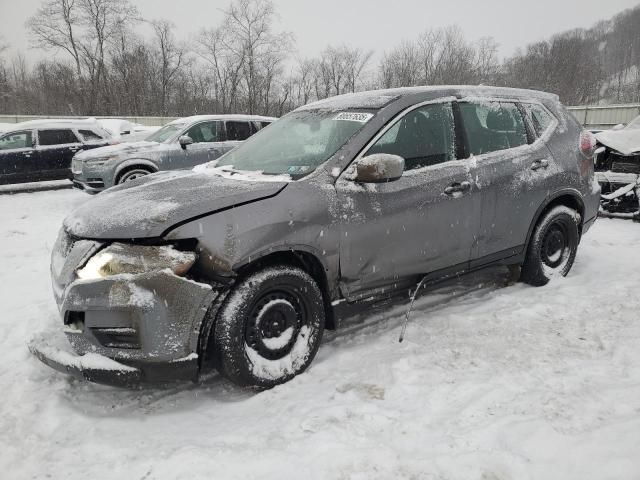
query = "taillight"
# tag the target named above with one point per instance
(587, 144)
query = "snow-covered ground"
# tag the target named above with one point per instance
(492, 382)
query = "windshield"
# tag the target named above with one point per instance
(166, 132)
(635, 123)
(296, 144)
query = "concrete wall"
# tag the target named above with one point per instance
(591, 117)
(147, 121)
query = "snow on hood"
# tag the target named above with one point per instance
(147, 207)
(626, 141)
(120, 149)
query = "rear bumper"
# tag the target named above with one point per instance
(52, 349)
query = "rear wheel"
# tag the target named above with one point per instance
(269, 328)
(132, 174)
(553, 246)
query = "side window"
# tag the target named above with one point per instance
(540, 118)
(88, 135)
(425, 136)
(205, 132)
(56, 137)
(264, 124)
(238, 130)
(492, 126)
(16, 140)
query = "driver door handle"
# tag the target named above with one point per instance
(461, 187)
(538, 164)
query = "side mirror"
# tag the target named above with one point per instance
(619, 126)
(185, 140)
(379, 167)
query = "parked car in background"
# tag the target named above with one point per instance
(340, 206)
(43, 149)
(183, 143)
(617, 165)
(126, 131)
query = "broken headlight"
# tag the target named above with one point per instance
(122, 258)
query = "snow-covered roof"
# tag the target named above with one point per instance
(56, 123)
(248, 118)
(375, 99)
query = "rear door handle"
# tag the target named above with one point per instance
(538, 164)
(456, 187)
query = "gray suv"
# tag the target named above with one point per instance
(183, 143)
(339, 206)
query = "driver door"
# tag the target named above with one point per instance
(425, 221)
(206, 145)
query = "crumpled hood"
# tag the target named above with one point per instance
(149, 206)
(121, 149)
(625, 141)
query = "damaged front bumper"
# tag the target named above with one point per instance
(620, 191)
(53, 349)
(123, 329)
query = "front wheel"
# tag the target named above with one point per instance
(132, 175)
(269, 328)
(553, 246)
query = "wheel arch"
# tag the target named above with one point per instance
(568, 197)
(133, 163)
(300, 256)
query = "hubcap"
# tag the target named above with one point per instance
(133, 176)
(273, 324)
(554, 246)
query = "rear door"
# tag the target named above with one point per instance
(424, 222)
(510, 166)
(56, 148)
(206, 145)
(18, 158)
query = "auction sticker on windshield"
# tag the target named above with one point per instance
(354, 117)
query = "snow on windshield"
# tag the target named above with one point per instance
(296, 144)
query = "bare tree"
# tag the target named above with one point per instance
(171, 58)
(250, 27)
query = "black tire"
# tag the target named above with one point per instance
(553, 246)
(132, 173)
(251, 343)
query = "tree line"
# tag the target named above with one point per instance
(246, 64)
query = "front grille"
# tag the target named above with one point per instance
(117, 337)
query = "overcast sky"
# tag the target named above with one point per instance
(365, 23)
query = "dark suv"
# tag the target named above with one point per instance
(338, 206)
(42, 149)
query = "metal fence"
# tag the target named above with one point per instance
(603, 117)
(595, 117)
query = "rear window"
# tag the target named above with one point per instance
(56, 137)
(492, 126)
(539, 117)
(238, 130)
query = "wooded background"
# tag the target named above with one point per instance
(247, 65)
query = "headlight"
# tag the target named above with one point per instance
(120, 258)
(99, 160)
